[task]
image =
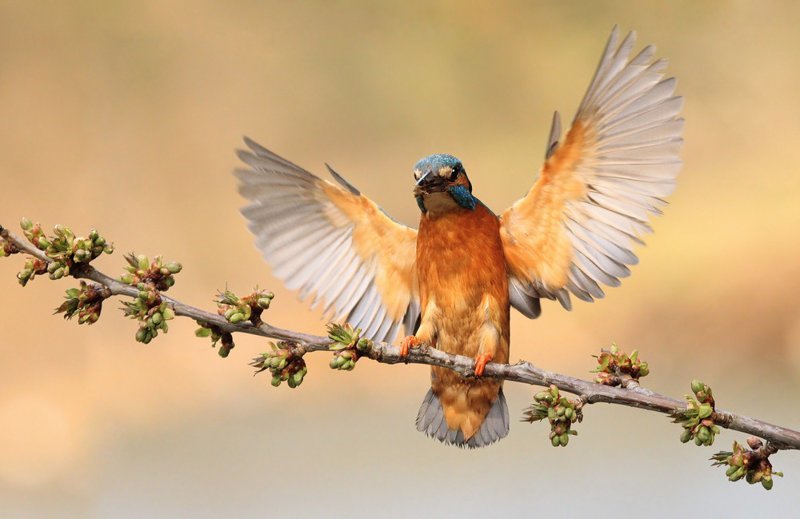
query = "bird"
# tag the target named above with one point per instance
(451, 283)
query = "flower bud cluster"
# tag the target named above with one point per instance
(86, 302)
(157, 274)
(613, 364)
(150, 278)
(283, 363)
(348, 346)
(237, 309)
(751, 464)
(559, 411)
(63, 249)
(697, 419)
(224, 338)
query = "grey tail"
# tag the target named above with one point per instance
(430, 420)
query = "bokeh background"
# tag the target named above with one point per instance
(124, 116)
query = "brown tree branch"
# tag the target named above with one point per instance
(630, 393)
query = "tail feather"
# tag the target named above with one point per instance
(430, 420)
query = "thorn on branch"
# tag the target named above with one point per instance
(751, 464)
(285, 363)
(615, 367)
(560, 411)
(697, 419)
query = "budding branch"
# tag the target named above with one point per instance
(630, 393)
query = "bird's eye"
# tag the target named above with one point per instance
(454, 174)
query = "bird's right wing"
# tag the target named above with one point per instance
(331, 241)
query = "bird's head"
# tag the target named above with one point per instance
(442, 184)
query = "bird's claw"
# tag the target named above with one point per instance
(481, 360)
(407, 343)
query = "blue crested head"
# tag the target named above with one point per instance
(440, 174)
(437, 161)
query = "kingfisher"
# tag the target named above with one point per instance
(452, 282)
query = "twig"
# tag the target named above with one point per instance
(629, 394)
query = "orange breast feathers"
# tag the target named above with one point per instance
(463, 283)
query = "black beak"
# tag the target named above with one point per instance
(429, 182)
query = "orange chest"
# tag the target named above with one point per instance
(460, 258)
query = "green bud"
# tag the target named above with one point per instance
(237, 318)
(168, 313)
(143, 262)
(298, 377)
(767, 483)
(731, 470)
(229, 313)
(686, 435)
(697, 386)
(203, 332)
(564, 439)
(333, 363)
(555, 441)
(173, 267)
(58, 273)
(276, 381)
(569, 413)
(43, 243)
(542, 395)
(263, 303)
(156, 318)
(704, 411)
(141, 334)
(552, 414)
(26, 224)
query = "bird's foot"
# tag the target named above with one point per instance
(407, 343)
(481, 360)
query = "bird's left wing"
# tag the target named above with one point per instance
(332, 242)
(575, 230)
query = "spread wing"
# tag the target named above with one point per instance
(575, 229)
(331, 242)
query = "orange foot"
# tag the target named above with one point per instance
(480, 363)
(408, 343)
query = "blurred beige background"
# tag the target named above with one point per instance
(124, 116)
